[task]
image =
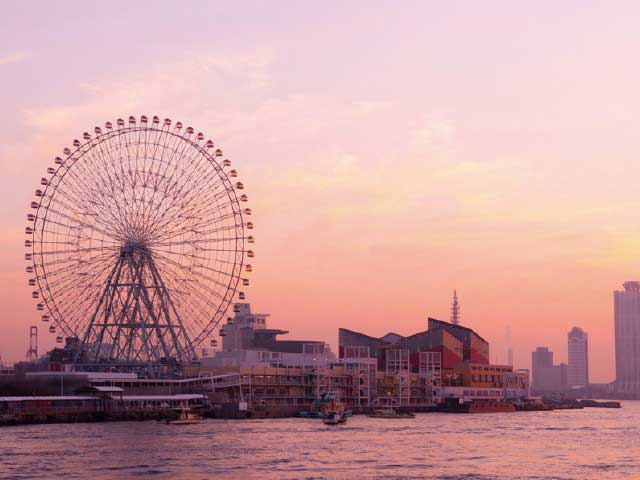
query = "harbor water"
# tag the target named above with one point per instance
(594, 443)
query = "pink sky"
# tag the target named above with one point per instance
(390, 154)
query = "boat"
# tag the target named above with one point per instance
(454, 405)
(334, 418)
(322, 406)
(390, 413)
(310, 414)
(185, 417)
(599, 404)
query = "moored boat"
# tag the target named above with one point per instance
(477, 406)
(390, 413)
(185, 417)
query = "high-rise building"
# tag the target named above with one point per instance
(540, 359)
(578, 367)
(627, 329)
(509, 348)
(547, 377)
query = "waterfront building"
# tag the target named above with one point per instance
(547, 377)
(247, 340)
(627, 337)
(455, 358)
(456, 344)
(578, 364)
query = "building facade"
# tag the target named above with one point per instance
(627, 335)
(578, 366)
(247, 340)
(456, 344)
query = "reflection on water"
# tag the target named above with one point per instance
(568, 444)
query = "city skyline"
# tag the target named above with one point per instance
(516, 189)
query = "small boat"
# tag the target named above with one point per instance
(185, 417)
(390, 413)
(322, 406)
(334, 418)
(309, 414)
(454, 405)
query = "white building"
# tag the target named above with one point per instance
(627, 330)
(246, 340)
(578, 367)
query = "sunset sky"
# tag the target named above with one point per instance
(391, 152)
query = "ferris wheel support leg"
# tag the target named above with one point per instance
(115, 349)
(110, 290)
(188, 346)
(87, 334)
(146, 336)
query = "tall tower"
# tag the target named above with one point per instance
(509, 348)
(455, 309)
(32, 352)
(578, 366)
(627, 334)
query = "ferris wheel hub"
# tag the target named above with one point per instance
(137, 245)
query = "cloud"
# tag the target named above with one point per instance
(435, 130)
(13, 58)
(189, 84)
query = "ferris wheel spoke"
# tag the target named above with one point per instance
(214, 220)
(75, 221)
(73, 250)
(195, 270)
(198, 241)
(194, 199)
(69, 260)
(173, 186)
(163, 145)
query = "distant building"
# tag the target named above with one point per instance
(578, 366)
(627, 334)
(547, 377)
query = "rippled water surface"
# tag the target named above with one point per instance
(569, 444)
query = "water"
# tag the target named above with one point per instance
(569, 444)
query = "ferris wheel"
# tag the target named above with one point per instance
(136, 242)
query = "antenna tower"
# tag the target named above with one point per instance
(455, 309)
(509, 349)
